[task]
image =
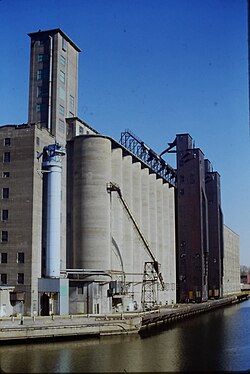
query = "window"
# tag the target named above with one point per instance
(40, 107)
(42, 91)
(37, 141)
(6, 174)
(6, 157)
(61, 110)
(40, 42)
(3, 278)
(42, 57)
(20, 278)
(72, 101)
(5, 215)
(62, 94)
(5, 193)
(4, 236)
(61, 126)
(20, 257)
(41, 74)
(7, 141)
(80, 290)
(80, 130)
(3, 258)
(62, 60)
(62, 76)
(64, 44)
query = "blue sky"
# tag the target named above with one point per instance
(156, 67)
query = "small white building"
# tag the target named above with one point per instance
(231, 263)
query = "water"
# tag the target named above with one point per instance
(216, 341)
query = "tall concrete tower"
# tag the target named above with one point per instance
(53, 90)
(53, 95)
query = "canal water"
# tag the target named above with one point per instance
(215, 341)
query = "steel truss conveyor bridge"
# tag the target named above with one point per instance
(149, 157)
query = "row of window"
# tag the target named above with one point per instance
(42, 74)
(43, 41)
(41, 107)
(3, 278)
(43, 57)
(4, 258)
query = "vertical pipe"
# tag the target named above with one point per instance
(52, 164)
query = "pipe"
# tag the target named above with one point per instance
(52, 163)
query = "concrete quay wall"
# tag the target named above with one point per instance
(62, 327)
(26, 328)
(161, 316)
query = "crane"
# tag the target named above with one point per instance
(115, 187)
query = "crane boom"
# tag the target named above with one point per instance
(114, 187)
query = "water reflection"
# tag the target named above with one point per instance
(219, 341)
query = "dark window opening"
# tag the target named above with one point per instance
(5, 215)
(20, 257)
(5, 193)
(6, 157)
(7, 141)
(3, 258)
(5, 236)
(3, 278)
(20, 278)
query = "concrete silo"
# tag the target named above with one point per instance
(91, 219)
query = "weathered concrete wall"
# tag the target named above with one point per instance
(24, 205)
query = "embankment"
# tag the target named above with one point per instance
(19, 329)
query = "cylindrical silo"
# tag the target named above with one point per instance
(127, 223)
(166, 242)
(159, 230)
(52, 165)
(153, 214)
(145, 207)
(172, 243)
(91, 205)
(117, 212)
(137, 242)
